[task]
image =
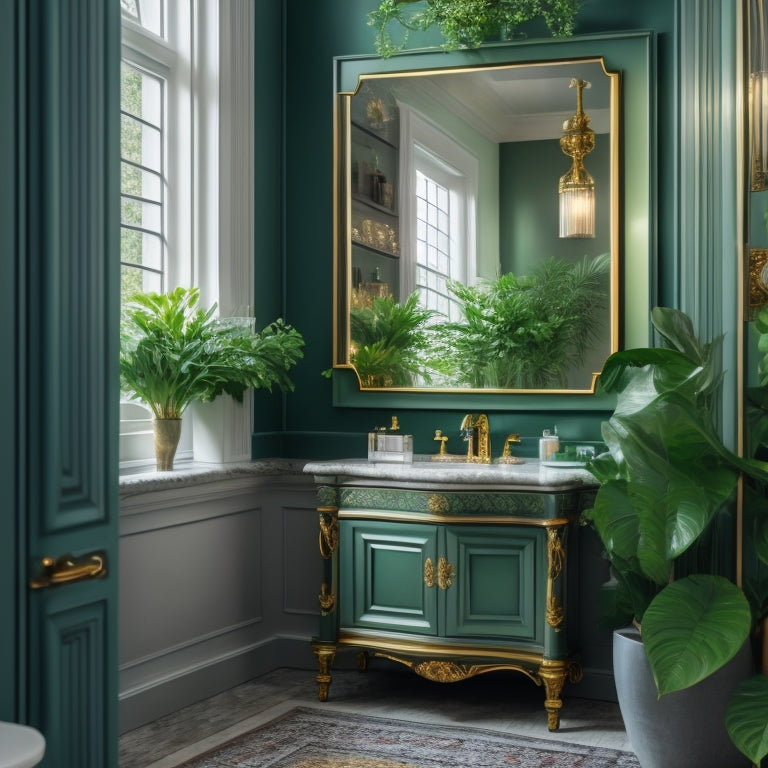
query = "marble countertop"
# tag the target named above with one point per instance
(190, 473)
(530, 475)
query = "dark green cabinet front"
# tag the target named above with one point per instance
(499, 571)
(382, 568)
(460, 581)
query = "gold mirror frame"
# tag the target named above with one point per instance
(344, 289)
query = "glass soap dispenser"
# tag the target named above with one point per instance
(549, 445)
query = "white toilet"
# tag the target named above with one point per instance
(20, 746)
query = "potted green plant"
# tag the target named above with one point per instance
(664, 481)
(467, 23)
(173, 352)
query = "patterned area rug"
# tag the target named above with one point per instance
(307, 738)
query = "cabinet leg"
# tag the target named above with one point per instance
(362, 661)
(553, 674)
(325, 655)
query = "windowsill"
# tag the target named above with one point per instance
(189, 473)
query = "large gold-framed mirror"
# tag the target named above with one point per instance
(451, 274)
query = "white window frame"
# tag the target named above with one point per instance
(209, 58)
(417, 133)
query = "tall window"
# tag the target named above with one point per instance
(187, 105)
(143, 240)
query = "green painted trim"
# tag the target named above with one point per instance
(11, 387)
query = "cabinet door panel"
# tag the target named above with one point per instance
(382, 572)
(498, 584)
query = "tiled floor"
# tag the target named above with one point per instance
(503, 702)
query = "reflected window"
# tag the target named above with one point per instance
(439, 192)
(439, 257)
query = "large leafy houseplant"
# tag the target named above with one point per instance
(664, 481)
(172, 352)
(526, 331)
(466, 23)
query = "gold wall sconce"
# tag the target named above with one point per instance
(576, 191)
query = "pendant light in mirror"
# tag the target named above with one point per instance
(576, 191)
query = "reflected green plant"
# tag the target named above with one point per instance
(390, 342)
(528, 331)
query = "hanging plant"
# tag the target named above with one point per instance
(466, 23)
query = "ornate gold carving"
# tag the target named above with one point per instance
(445, 573)
(758, 278)
(429, 572)
(327, 599)
(443, 671)
(325, 655)
(437, 504)
(328, 539)
(555, 613)
(552, 674)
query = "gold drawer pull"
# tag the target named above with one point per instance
(429, 572)
(445, 573)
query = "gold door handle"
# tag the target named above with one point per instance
(66, 569)
(429, 573)
(445, 573)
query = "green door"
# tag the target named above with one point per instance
(60, 157)
(390, 568)
(498, 582)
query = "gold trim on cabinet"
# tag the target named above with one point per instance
(327, 599)
(328, 538)
(429, 573)
(425, 517)
(437, 504)
(555, 613)
(426, 647)
(445, 573)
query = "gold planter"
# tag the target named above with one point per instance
(167, 434)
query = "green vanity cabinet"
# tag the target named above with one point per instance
(451, 579)
(445, 581)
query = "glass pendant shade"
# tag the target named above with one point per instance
(577, 208)
(576, 191)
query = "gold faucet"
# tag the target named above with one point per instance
(506, 455)
(442, 439)
(474, 429)
(515, 438)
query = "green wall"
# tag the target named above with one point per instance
(530, 171)
(315, 33)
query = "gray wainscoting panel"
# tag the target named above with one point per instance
(218, 584)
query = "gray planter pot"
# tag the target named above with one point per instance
(685, 729)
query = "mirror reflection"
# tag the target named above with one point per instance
(478, 220)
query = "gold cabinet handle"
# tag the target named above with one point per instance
(66, 569)
(429, 573)
(445, 573)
